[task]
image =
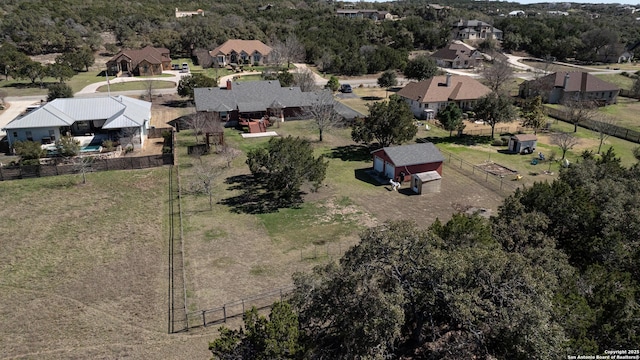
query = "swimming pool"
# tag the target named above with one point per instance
(91, 148)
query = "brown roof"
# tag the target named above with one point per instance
(149, 53)
(578, 81)
(436, 90)
(248, 46)
(452, 51)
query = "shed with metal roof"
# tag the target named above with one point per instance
(401, 162)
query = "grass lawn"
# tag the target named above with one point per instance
(621, 81)
(136, 85)
(625, 112)
(631, 67)
(552, 67)
(25, 88)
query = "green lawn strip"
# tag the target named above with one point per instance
(136, 85)
(617, 79)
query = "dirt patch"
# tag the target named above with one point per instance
(496, 169)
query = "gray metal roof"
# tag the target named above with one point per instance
(249, 96)
(117, 111)
(414, 154)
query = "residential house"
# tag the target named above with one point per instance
(253, 100)
(181, 14)
(148, 61)
(400, 162)
(429, 96)
(474, 30)
(364, 14)
(575, 85)
(241, 52)
(458, 55)
(90, 119)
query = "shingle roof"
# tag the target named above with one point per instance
(578, 81)
(414, 154)
(248, 46)
(435, 90)
(149, 53)
(452, 51)
(249, 96)
(118, 112)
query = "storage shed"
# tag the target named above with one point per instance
(426, 182)
(522, 143)
(397, 162)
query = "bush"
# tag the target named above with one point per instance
(505, 140)
(128, 149)
(67, 146)
(108, 145)
(497, 142)
(29, 150)
(166, 149)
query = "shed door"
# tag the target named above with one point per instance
(389, 170)
(378, 164)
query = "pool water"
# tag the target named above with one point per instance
(91, 148)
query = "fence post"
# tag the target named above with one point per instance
(204, 319)
(106, 164)
(224, 312)
(1, 177)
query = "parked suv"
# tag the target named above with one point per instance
(346, 88)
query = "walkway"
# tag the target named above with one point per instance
(175, 77)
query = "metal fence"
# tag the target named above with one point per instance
(501, 184)
(220, 315)
(609, 129)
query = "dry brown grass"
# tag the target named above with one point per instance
(83, 268)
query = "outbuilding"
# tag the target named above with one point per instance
(522, 143)
(426, 182)
(401, 162)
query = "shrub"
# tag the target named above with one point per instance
(505, 140)
(128, 149)
(67, 146)
(108, 145)
(497, 142)
(166, 149)
(29, 150)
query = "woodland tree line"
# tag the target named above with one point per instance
(337, 45)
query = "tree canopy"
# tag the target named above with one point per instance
(421, 68)
(285, 164)
(495, 108)
(389, 122)
(451, 117)
(190, 82)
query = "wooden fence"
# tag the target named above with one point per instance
(122, 163)
(219, 315)
(609, 129)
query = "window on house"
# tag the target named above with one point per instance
(52, 135)
(15, 134)
(29, 136)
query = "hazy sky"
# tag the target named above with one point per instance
(632, 2)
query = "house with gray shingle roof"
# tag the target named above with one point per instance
(255, 99)
(103, 118)
(427, 97)
(403, 161)
(574, 85)
(458, 56)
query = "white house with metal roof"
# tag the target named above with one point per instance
(105, 118)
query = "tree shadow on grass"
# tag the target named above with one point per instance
(468, 140)
(255, 197)
(371, 98)
(351, 153)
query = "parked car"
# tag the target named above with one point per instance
(175, 67)
(346, 88)
(185, 67)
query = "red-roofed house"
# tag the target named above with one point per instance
(428, 97)
(241, 52)
(574, 85)
(148, 61)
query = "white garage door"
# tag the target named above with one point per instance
(389, 170)
(378, 164)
